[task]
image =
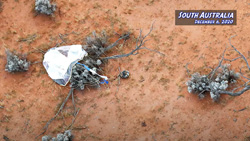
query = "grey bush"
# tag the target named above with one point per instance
(16, 63)
(66, 136)
(81, 77)
(200, 84)
(45, 7)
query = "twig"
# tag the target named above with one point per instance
(231, 60)
(36, 62)
(40, 51)
(186, 66)
(243, 75)
(118, 78)
(156, 51)
(245, 84)
(60, 109)
(61, 36)
(73, 120)
(214, 71)
(26, 125)
(73, 101)
(139, 45)
(244, 58)
(241, 109)
(235, 93)
(125, 39)
(125, 36)
(28, 38)
(200, 94)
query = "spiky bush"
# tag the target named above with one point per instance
(45, 7)
(81, 76)
(66, 136)
(200, 84)
(16, 63)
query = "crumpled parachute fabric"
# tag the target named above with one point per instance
(58, 62)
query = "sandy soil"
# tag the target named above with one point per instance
(153, 104)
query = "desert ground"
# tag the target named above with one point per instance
(153, 103)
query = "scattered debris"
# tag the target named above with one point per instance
(66, 136)
(85, 72)
(44, 7)
(15, 62)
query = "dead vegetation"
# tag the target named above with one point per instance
(29, 38)
(45, 7)
(16, 62)
(221, 80)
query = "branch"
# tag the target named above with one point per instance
(244, 85)
(60, 109)
(239, 52)
(214, 71)
(247, 87)
(231, 60)
(140, 41)
(125, 36)
(73, 120)
(243, 75)
(235, 93)
(156, 51)
(215, 89)
(186, 66)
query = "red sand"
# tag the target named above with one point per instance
(153, 104)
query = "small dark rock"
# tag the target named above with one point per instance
(6, 138)
(124, 74)
(143, 124)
